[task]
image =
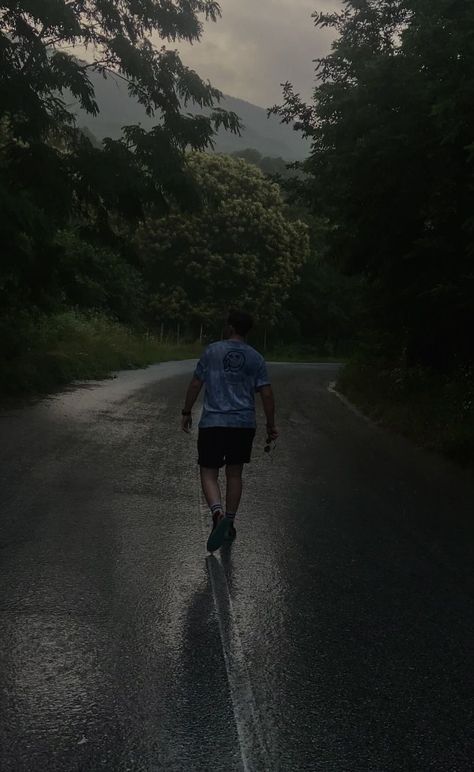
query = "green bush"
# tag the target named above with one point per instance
(95, 278)
(436, 411)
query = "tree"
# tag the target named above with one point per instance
(391, 167)
(325, 308)
(37, 72)
(240, 249)
(51, 170)
(93, 277)
(273, 166)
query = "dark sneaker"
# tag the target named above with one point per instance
(220, 528)
(231, 533)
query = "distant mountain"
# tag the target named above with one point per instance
(267, 135)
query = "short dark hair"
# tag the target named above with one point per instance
(241, 321)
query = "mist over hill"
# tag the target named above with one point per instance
(267, 135)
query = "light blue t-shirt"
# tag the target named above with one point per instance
(232, 372)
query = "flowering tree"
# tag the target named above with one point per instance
(240, 248)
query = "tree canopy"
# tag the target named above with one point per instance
(241, 248)
(391, 167)
(38, 71)
(50, 171)
(272, 166)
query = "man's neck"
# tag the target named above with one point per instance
(237, 337)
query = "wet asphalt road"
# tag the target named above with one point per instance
(335, 634)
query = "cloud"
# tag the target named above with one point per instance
(259, 44)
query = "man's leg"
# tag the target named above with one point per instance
(212, 492)
(211, 489)
(234, 489)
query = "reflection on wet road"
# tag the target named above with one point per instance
(335, 633)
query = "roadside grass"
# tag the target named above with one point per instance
(434, 411)
(43, 352)
(51, 351)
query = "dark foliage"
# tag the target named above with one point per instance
(50, 172)
(391, 167)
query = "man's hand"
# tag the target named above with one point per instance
(272, 433)
(191, 396)
(268, 403)
(186, 423)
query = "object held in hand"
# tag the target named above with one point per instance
(268, 445)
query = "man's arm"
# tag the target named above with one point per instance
(268, 402)
(191, 396)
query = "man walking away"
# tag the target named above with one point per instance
(231, 371)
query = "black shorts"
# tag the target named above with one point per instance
(219, 445)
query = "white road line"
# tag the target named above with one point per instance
(253, 750)
(332, 390)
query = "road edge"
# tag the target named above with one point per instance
(350, 406)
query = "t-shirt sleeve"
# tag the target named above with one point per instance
(262, 376)
(202, 366)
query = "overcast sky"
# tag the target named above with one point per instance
(259, 44)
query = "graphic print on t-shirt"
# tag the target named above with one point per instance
(232, 372)
(234, 361)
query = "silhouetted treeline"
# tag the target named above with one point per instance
(392, 170)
